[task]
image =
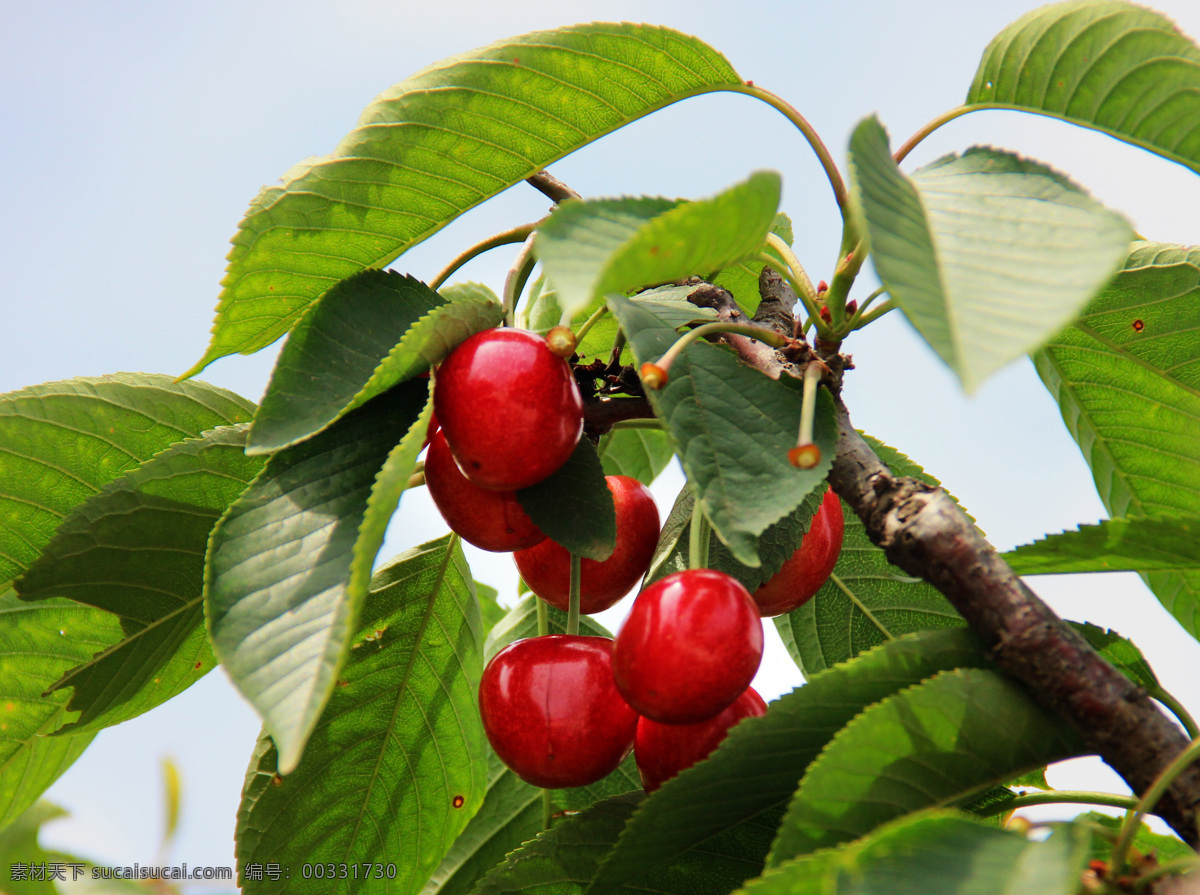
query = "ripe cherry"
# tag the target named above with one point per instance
(810, 566)
(552, 713)
(690, 646)
(510, 408)
(491, 520)
(546, 568)
(663, 750)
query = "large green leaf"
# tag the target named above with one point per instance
(565, 858)
(638, 453)
(590, 249)
(937, 743)
(938, 853)
(1131, 544)
(60, 443)
(396, 764)
(755, 771)
(1114, 66)
(988, 254)
(326, 367)
(731, 428)
(280, 591)
(437, 144)
(512, 810)
(573, 506)
(1127, 380)
(867, 601)
(136, 549)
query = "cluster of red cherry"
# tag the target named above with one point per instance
(564, 710)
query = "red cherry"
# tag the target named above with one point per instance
(810, 566)
(551, 711)
(546, 568)
(510, 408)
(663, 750)
(690, 646)
(491, 520)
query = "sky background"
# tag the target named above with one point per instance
(135, 134)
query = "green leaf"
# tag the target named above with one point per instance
(988, 254)
(1145, 841)
(731, 428)
(326, 367)
(63, 441)
(867, 601)
(437, 144)
(1122, 655)
(565, 858)
(755, 771)
(938, 853)
(396, 765)
(741, 279)
(489, 606)
(60, 443)
(594, 248)
(1131, 544)
(23, 857)
(940, 742)
(1127, 380)
(574, 507)
(1113, 66)
(136, 549)
(638, 453)
(279, 594)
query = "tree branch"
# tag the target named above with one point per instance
(922, 531)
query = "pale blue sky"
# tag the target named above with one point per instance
(135, 133)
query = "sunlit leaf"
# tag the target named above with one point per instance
(136, 549)
(1127, 380)
(396, 765)
(987, 254)
(279, 597)
(1131, 544)
(638, 453)
(1115, 66)
(437, 144)
(942, 741)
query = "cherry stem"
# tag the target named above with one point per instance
(587, 324)
(573, 594)
(543, 617)
(1161, 784)
(547, 809)
(808, 408)
(770, 337)
(818, 146)
(1176, 708)
(507, 237)
(1054, 797)
(933, 125)
(698, 538)
(518, 274)
(636, 424)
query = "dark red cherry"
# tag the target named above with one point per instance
(810, 566)
(552, 713)
(691, 644)
(546, 568)
(491, 520)
(510, 408)
(663, 750)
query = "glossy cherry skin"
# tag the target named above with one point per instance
(510, 408)
(552, 713)
(810, 566)
(546, 568)
(663, 750)
(691, 644)
(491, 520)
